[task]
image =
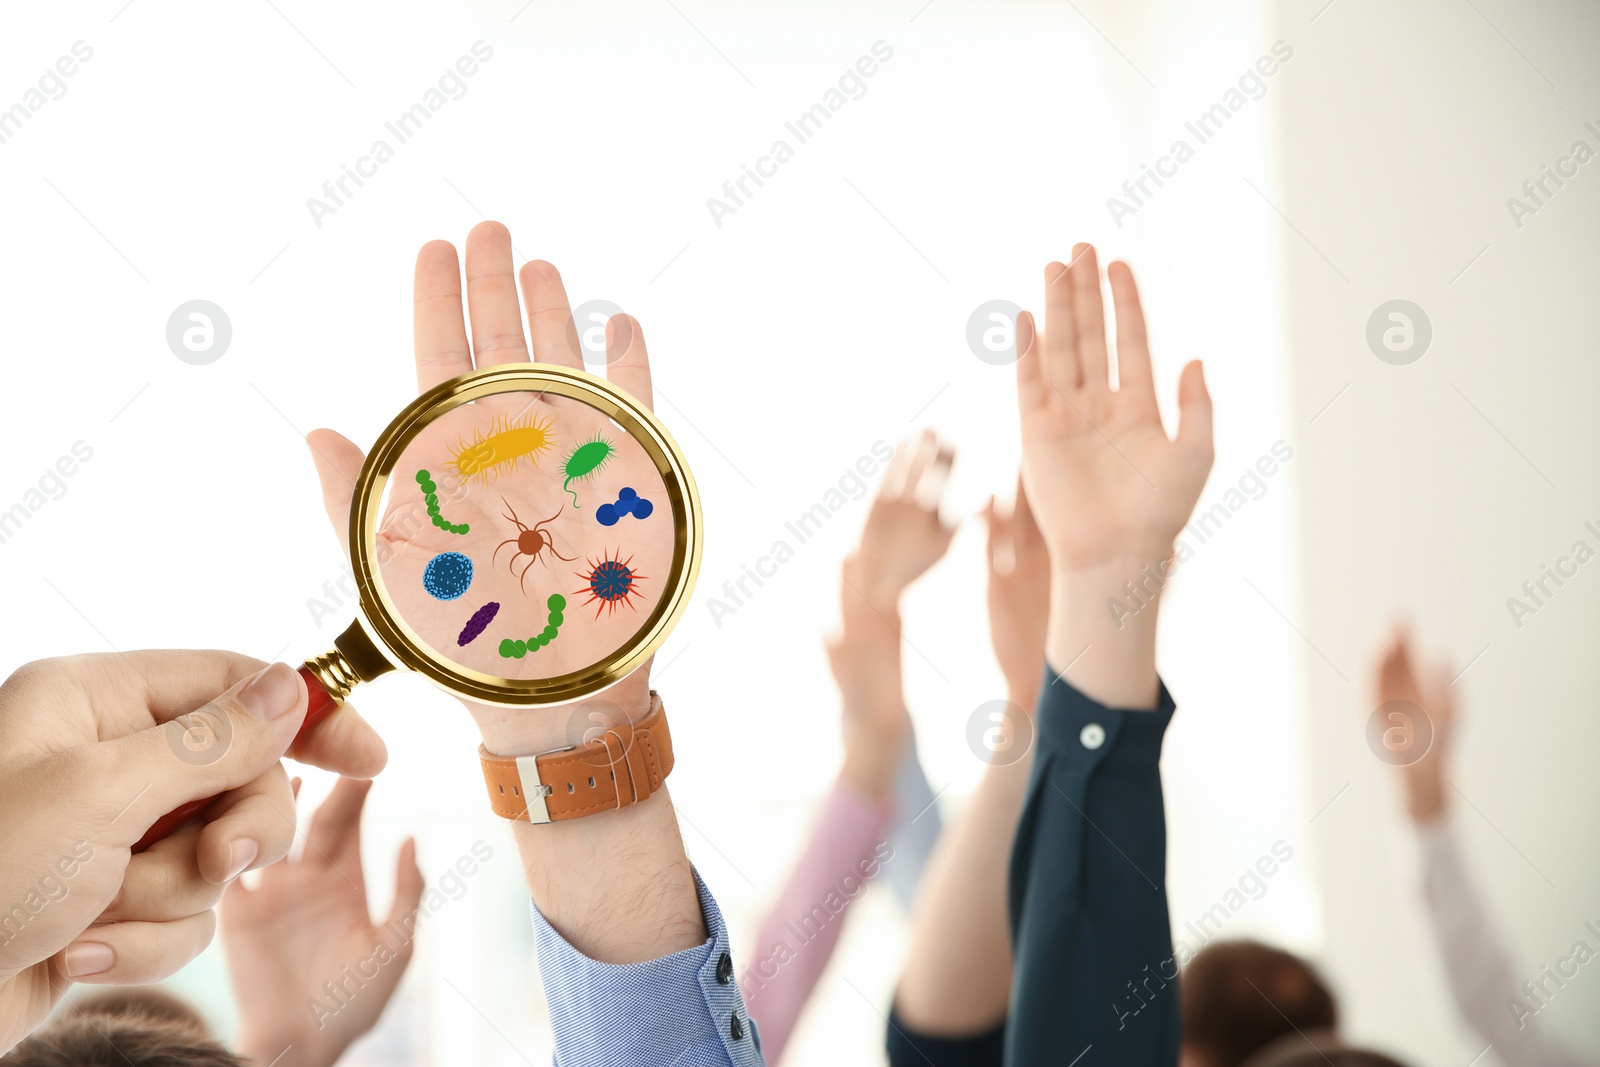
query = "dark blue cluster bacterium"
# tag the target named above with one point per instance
(629, 502)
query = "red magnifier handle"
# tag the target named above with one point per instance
(321, 704)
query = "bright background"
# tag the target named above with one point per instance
(827, 313)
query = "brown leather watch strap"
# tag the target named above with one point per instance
(619, 767)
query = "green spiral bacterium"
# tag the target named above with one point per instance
(430, 493)
(517, 649)
(585, 461)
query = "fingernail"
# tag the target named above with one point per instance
(270, 694)
(88, 957)
(241, 854)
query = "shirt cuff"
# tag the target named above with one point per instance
(683, 1009)
(1086, 733)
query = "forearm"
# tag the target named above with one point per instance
(1087, 898)
(616, 885)
(844, 852)
(873, 711)
(957, 976)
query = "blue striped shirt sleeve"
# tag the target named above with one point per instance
(683, 1010)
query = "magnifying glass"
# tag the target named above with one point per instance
(522, 535)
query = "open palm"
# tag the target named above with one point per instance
(307, 923)
(521, 583)
(1104, 480)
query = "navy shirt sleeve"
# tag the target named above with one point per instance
(908, 1048)
(1094, 980)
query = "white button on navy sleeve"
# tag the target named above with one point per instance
(1092, 736)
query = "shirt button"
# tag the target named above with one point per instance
(736, 1028)
(1092, 736)
(724, 969)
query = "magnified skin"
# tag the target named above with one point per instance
(526, 537)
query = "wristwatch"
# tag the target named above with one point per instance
(616, 768)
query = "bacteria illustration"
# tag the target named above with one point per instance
(611, 581)
(447, 576)
(629, 502)
(503, 447)
(517, 649)
(478, 623)
(430, 494)
(530, 541)
(585, 461)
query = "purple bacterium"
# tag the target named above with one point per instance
(478, 623)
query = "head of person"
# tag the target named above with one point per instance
(123, 1028)
(1238, 997)
(1317, 1048)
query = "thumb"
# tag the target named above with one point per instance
(1194, 410)
(221, 745)
(338, 461)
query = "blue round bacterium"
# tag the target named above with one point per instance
(606, 515)
(642, 508)
(447, 575)
(627, 494)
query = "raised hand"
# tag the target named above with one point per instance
(1105, 481)
(1398, 677)
(303, 925)
(1019, 596)
(903, 537)
(904, 534)
(499, 511)
(1109, 488)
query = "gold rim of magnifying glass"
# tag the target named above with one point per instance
(409, 649)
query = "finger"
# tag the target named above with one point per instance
(439, 331)
(492, 298)
(335, 831)
(221, 745)
(555, 339)
(991, 524)
(408, 885)
(1194, 411)
(930, 490)
(338, 461)
(136, 953)
(1089, 313)
(248, 827)
(1061, 368)
(923, 457)
(1031, 385)
(294, 785)
(627, 361)
(1134, 375)
(894, 476)
(165, 683)
(1023, 526)
(164, 882)
(344, 743)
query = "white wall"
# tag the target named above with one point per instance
(827, 313)
(1437, 488)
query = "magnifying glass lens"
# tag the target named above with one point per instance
(524, 536)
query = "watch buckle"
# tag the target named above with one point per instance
(534, 790)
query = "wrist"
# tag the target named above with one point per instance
(530, 731)
(865, 594)
(1102, 631)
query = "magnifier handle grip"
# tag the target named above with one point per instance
(319, 707)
